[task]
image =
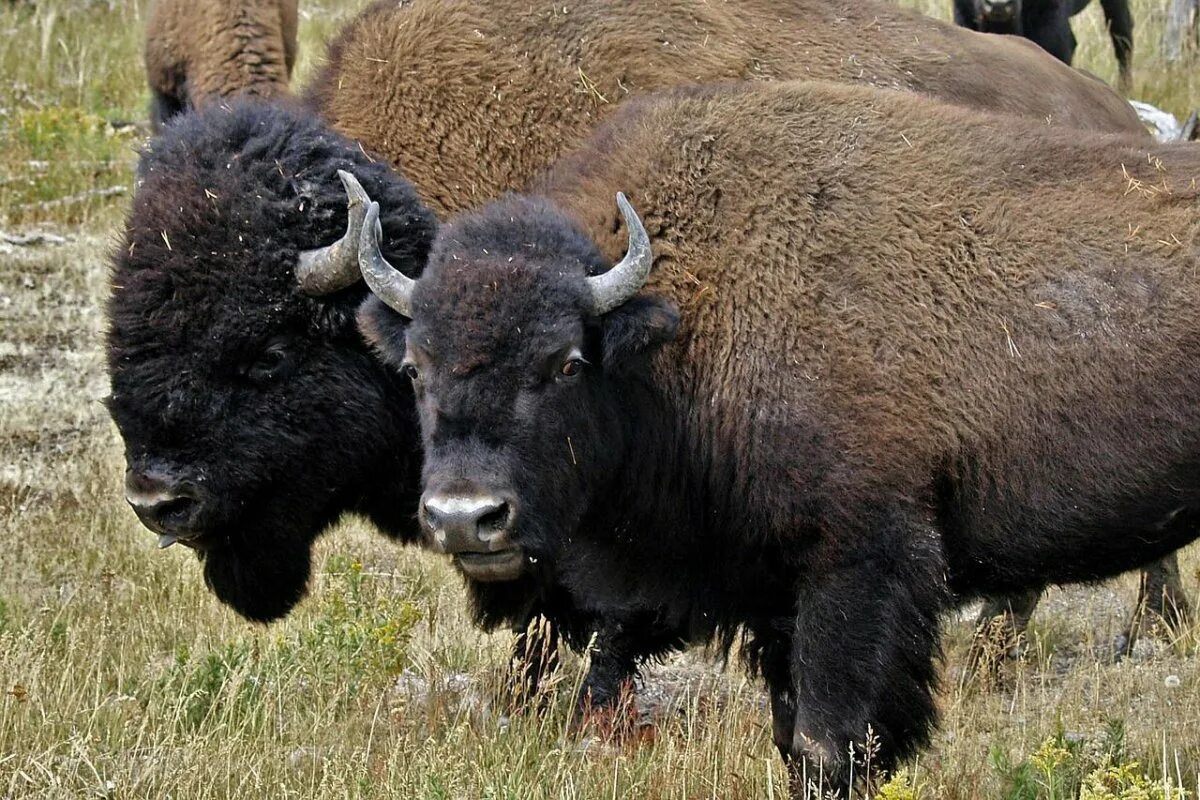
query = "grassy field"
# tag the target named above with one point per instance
(121, 677)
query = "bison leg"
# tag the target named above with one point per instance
(621, 646)
(863, 652)
(773, 658)
(613, 669)
(1160, 597)
(1120, 29)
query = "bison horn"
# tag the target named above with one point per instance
(623, 281)
(333, 267)
(389, 284)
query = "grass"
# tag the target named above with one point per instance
(121, 677)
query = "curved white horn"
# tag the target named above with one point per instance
(623, 281)
(389, 284)
(327, 269)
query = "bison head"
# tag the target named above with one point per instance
(516, 339)
(253, 414)
(1000, 16)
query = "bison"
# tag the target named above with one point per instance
(1048, 23)
(199, 51)
(893, 355)
(233, 359)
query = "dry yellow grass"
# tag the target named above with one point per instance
(121, 677)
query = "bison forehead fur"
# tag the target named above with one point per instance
(205, 281)
(471, 269)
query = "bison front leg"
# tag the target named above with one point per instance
(622, 644)
(863, 653)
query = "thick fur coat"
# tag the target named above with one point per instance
(480, 97)
(892, 355)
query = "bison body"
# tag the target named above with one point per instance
(199, 51)
(466, 100)
(892, 355)
(528, 81)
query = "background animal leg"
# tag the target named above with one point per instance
(1049, 26)
(1161, 598)
(1120, 29)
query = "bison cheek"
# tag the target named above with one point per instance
(261, 585)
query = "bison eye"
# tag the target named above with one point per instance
(572, 367)
(271, 364)
(411, 371)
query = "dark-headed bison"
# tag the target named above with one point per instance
(893, 355)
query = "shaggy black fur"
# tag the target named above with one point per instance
(225, 374)
(1047, 23)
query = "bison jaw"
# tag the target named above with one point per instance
(505, 565)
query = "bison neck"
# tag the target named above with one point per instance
(682, 509)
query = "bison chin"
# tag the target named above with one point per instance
(261, 584)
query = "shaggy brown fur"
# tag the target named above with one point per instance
(922, 352)
(479, 97)
(198, 51)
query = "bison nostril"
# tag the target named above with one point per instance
(497, 518)
(174, 512)
(163, 503)
(467, 523)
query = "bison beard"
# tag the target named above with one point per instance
(831, 444)
(260, 584)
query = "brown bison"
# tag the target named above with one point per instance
(232, 348)
(893, 355)
(198, 51)
(480, 97)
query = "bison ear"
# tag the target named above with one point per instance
(637, 328)
(383, 329)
